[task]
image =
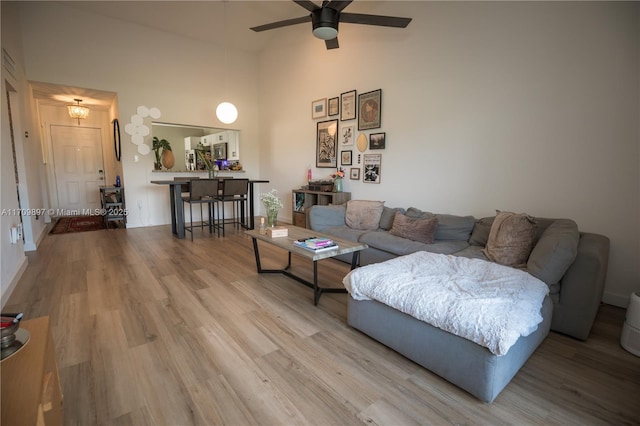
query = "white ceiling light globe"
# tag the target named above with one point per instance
(227, 112)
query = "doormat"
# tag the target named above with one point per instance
(78, 224)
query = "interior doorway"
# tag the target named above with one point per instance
(78, 168)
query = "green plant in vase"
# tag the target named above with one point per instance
(159, 147)
(209, 164)
(273, 205)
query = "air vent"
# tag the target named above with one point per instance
(8, 63)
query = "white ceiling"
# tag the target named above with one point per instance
(224, 23)
(214, 21)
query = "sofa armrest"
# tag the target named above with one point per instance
(321, 217)
(581, 288)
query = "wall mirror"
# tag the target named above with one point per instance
(184, 138)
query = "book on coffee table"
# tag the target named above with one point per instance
(316, 244)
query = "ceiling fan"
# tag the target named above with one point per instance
(325, 20)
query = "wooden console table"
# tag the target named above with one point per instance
(31, 393)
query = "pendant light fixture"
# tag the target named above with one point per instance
(78, 111)
(226, 111)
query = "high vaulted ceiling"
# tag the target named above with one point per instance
(220, 22)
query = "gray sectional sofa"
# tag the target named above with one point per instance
(572, 263)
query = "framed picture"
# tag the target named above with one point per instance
(377, 140)
(369, 110)
(319, 108)
(327, 143)
(348, 105)
(334, 106)
(355, 173)
(372, 168)
(346, 135)
(345, 158)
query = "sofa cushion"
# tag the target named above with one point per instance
(383, 240)
(511, 239)
(388, 214)
(422, 230)
(363, 215)
(417, 213)
(480, 233)
(321, 217)
(555, 251)
(345, 232)
(451, 227)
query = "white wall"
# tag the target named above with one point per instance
(182, 77)
(529, 107)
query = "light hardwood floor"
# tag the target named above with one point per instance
(152, 330)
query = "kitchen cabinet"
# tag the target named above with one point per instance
(233, 147)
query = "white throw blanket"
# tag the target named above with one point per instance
(487, 303)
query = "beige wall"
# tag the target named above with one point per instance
(517, 106)
(528, 107)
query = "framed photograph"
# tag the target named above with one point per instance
(345, 158)
(346, 135)
(369, 110)
(327, 143)
(319, 108)
(355, 173)
(348, 105)
(334, 106)
(377, 140)
(372, 168)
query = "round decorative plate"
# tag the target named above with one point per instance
(362, 142)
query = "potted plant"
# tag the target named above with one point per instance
(168, 159)
(204, 156)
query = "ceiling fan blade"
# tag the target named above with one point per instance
(332, 44)
(338, 5)
(309, 5)
(380, 20)
(281, 24)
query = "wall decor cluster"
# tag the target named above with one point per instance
(335, 136)
(138, 130)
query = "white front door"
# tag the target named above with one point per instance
(77, 158)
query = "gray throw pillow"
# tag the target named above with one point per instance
(452, 227)
(480, 233)
(388, 214)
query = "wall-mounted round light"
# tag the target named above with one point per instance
(227, 112)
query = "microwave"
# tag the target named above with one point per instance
(220, 151)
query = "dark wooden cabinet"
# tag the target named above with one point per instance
(303, 199)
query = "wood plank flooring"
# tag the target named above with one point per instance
(152, 330)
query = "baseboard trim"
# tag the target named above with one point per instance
(615, 299)
(14, 281)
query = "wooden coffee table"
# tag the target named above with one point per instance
(286, 243)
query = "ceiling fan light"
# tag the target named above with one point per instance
(325, 33)
(325, 23)
(227, 112)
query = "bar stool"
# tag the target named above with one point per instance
(184, 188)
(201, 191)
(233, 191)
